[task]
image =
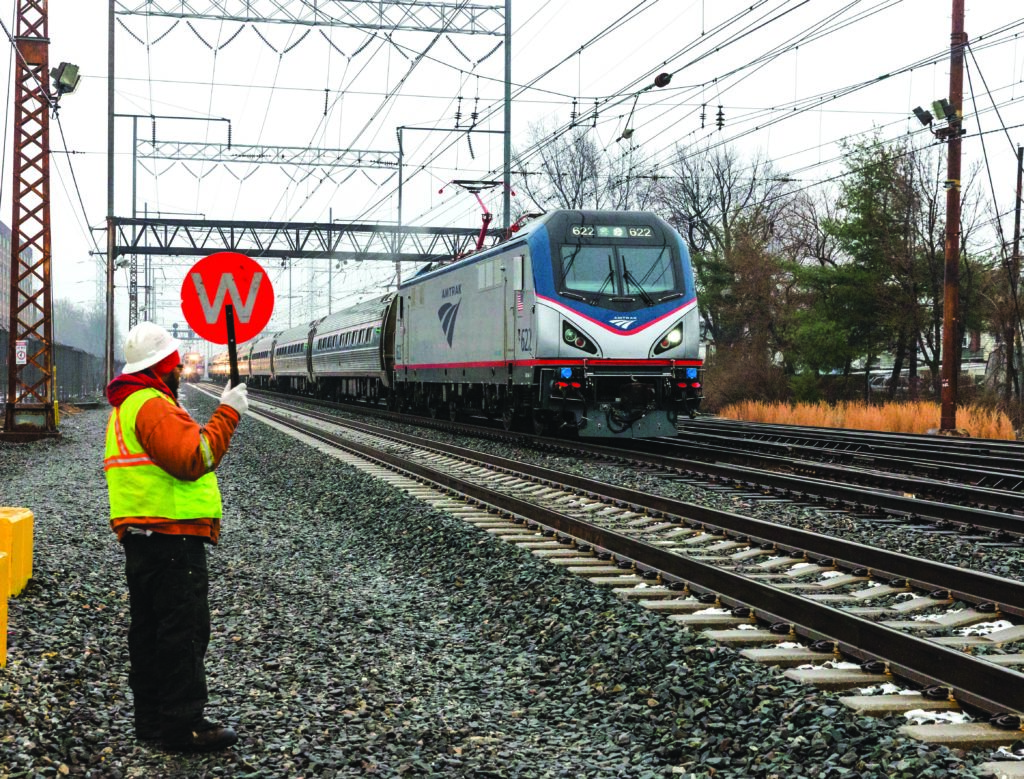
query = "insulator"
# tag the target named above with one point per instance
(595, 114)
(703, 115)
(458, 112)
(229, 133)
(720, 118)
(326, 94)
(572, 115)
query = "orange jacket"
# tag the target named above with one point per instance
(171, 439)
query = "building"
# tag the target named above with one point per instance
(5, 277)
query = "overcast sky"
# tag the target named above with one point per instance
(298, 86)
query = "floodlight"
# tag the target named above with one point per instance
(943, 109)
(923, 116)
(65, 78)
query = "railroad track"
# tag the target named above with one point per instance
(983, 463)
(679, 559)
(940, 505)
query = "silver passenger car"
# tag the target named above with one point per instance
(348, 351)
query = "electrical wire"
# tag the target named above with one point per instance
(786, 111)
(746, 123)
(1005, 261)
(7, 103)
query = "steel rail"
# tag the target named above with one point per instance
(839, 434)
(750, 478)
(965, 492)
(731, 450)
(972, 680)
(946, 450)
(924, 574)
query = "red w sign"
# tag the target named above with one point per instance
(221, 280)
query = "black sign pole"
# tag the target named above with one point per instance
(229, 315)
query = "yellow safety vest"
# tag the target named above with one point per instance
(138, 487)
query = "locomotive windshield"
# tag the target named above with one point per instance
(622, 274)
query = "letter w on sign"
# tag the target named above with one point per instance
(227, 286)
(222, 280)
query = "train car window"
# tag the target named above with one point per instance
(518, 272)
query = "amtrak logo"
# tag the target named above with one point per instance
(624, 322)
(447, 314)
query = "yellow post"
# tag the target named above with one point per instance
(16, 543)
(5, 577)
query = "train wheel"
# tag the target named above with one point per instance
(540, 422)
(508, 416)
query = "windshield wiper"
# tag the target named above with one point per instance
(567, 266)
(631, 279)
(609, 278)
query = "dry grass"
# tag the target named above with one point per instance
(916, 417)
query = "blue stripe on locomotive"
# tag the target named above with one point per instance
(544, 281)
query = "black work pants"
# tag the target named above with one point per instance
(168, 585)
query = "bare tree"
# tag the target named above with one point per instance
(571, 171)
(718, 201)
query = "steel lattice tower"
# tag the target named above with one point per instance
(30, 413)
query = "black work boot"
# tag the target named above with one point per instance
(205, 736)
(147, 725)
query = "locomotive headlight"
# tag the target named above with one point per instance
(671, 339)
(573, 337)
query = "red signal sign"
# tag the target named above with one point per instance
(222, 279)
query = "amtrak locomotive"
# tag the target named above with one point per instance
(582, 320)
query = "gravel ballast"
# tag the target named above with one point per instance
(974, 551)
(358, 632)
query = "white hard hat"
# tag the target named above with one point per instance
(146, 345)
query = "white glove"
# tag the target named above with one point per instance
(237, 397)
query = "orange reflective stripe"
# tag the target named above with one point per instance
(127, 461)
(117, 430)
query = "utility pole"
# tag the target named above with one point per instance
(1012, 375)
(30, 412)
(108, 360)
(951, 304)
(506, 201)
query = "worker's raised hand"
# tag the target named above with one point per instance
(237, 397)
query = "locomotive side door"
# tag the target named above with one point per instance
(517, 343)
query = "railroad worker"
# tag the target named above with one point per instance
(165, 506)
